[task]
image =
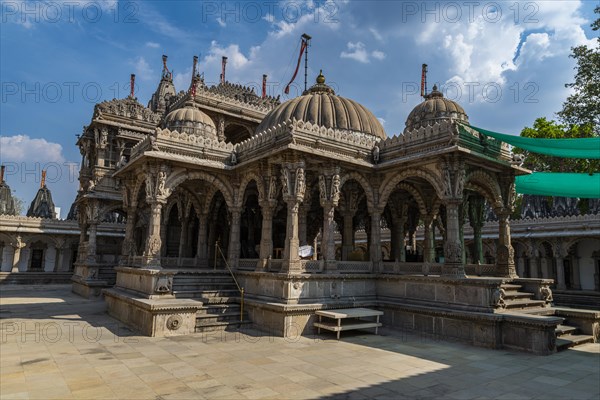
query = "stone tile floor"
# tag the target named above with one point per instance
(56, 345)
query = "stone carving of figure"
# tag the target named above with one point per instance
(335, 188)
(300, 182)
(376, 154)
(153, 144)
(233, 158)
(322, 188)
(149, 185)
(160, 185)
(285, 176)
(273, 188)
(92, 185)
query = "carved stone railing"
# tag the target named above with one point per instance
(358, 267)
(404, 268)
(481, 269)
(274, 265)
(312, 266)
(247, 264)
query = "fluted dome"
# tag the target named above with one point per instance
(191, 120)
(321, 106)
(433, 109)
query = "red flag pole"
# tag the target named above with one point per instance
(264, 86)
(132, 86)
(302, 48)
(424, 80)
(223, 65)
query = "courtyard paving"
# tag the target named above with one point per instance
(56, 345)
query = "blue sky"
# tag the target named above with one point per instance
(506, 63)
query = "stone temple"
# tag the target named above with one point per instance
(238, 205)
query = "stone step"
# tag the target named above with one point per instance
(218, 309)
(222, 326)
(204, 287)
(517, 295)
(35, 278)
(540, 311)
(205, 319)
(510, 287)
(520, 304)
(205, 294)
(566, 341)
(209, 301)
(565, 329)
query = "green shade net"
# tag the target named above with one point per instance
(585, 186)
(569, 148)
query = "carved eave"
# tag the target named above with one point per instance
(351, 147)
(220, 104)
(180, 147)
(125, 113)
(442, 138)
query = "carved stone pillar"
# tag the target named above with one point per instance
(183, 238)
(375, 240)
(329, 195)
(233, 255)
(92, 243)
(348, 235)
(575, 272)
(266, 236)
(128, 246)
(327, 241)
(399, 250)
(302, 213)
(202, 252)
(453, 247)
(505, 254)
(154, 243)
(292, 244)
(429, 239)
(293, 184)
(476, 220)
(560, 273)
(16, 260)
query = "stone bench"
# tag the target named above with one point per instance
(347, 319)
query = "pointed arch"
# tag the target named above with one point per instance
(390, 184)
(364, 183)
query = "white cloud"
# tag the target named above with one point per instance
(358, 51)
(22, 148)
(270, 18)
(235, 58)
(376, 34)
(380, 55)
(153, 45)
(221, 23)
(142, 69)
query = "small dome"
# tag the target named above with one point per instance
(321, 106)
(191, 120)
(434, 108)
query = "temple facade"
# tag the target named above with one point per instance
(309, 204)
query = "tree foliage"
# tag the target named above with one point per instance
(579, 118)
(549, 129)
(583, 106)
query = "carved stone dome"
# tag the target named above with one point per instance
(321, 106)
(433, 109)
(191, 120)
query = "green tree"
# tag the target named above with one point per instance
(583, 106)
(549, 129)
